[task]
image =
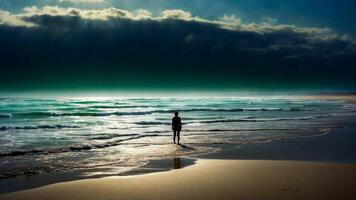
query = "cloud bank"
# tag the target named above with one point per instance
(138, 45)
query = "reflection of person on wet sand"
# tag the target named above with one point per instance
(176, 163)
(176, 127)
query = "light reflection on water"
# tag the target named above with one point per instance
(114, 135)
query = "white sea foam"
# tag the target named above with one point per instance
(122, 133)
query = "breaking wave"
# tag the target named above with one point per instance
(79, 114)
(73, 148)
(58, 126)
(94, 114)
(5, 115)
(262, 120)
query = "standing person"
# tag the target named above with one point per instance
(176, 127)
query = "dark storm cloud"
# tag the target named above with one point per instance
(118, 47)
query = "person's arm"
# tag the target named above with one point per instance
(180, 124)
(172, 123)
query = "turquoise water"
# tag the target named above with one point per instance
(108, 136)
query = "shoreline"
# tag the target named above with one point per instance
(347, 97)
(334, 147)
(214, 179)
(338, 146)
(328, 148)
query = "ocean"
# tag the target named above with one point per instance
(109, 136)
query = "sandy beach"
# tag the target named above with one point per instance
(214, 179)
(333, 97)
(177, 100)
(319, 164)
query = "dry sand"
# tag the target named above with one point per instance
(214, 179)
(335, 97)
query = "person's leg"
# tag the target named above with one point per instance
(178, 135)
(174, 136)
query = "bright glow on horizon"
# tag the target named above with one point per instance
(164, 94)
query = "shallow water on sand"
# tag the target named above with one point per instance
(108, 136)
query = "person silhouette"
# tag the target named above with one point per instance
(176, 127)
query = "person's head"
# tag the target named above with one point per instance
(176, 113)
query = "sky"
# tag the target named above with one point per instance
(265, 45)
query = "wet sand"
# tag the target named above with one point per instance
(236, 178)
(214, 179)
